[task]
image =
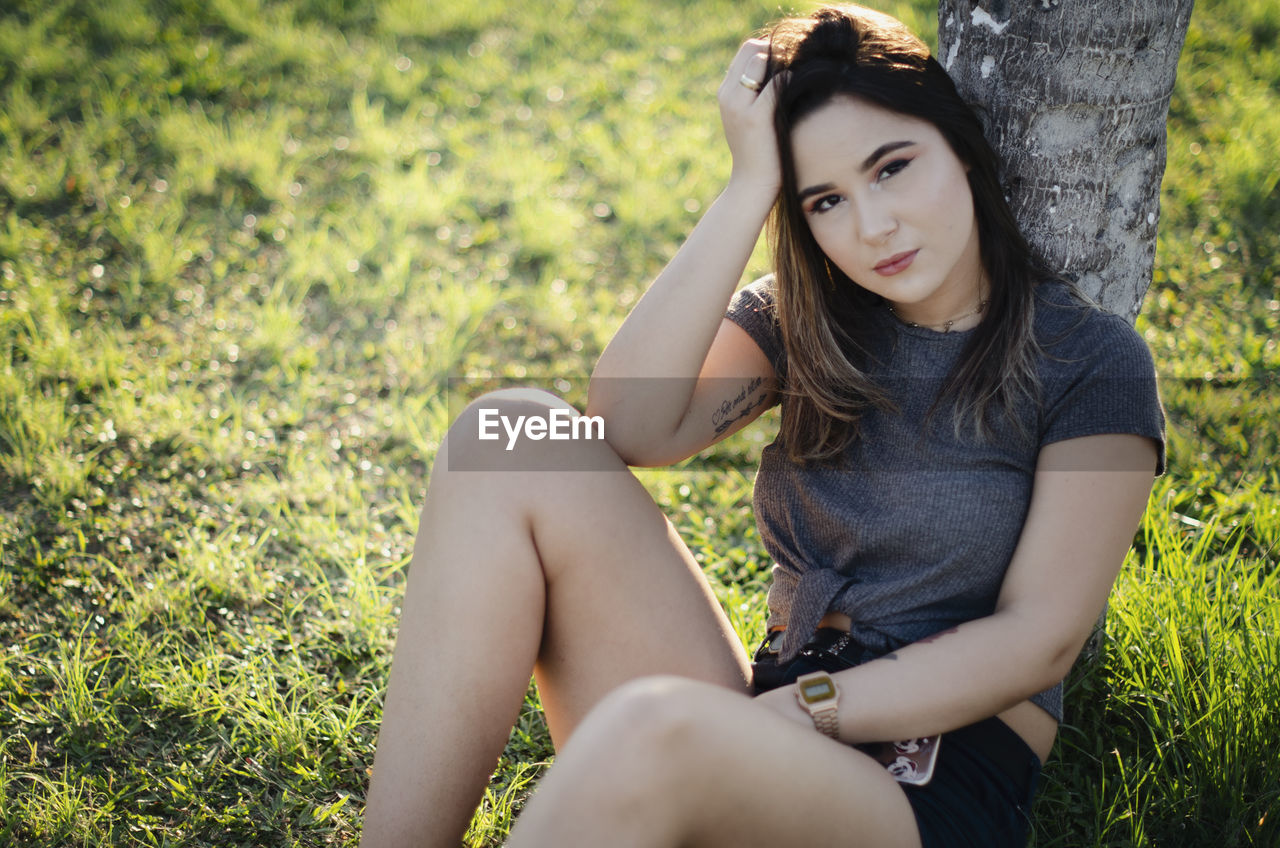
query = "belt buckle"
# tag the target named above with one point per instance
(840, 644)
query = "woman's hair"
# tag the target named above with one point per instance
(851, 51)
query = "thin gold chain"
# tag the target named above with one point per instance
(946, 325)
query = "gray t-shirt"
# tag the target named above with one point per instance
(911, 532)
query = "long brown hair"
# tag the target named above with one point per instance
(852, 51)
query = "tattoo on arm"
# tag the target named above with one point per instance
(924, 641)
(933, 638)
(731, 409)
(936, 636)
(726, 423)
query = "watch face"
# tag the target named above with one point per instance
(817, 690)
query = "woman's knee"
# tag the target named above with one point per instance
(621, 772)
(526, 429)
(656, 726)
(647, 753)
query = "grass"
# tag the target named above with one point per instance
(244, 247)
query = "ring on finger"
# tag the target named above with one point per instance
(753, 84)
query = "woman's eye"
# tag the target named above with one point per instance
(892, 168)
(822, 204)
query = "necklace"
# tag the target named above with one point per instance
(946, 325)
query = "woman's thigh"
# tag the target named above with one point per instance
(624, 597)
(635, 604)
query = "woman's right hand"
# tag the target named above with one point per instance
(747, 117)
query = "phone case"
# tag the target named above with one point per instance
(908, 760)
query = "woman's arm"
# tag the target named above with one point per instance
(1079, 526)
(644, 383)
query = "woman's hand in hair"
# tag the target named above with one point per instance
(747, 116)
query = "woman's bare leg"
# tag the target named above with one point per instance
(573, 572)
(667, 762)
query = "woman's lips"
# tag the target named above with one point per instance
(896, 264)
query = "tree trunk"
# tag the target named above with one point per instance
(1076, 96)
(1076, 93)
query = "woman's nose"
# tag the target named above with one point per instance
(875, 221)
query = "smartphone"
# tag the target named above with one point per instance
(908, 760)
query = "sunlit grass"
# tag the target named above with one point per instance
(1172, 715)
(244, 250)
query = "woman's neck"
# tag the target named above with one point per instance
(954, 319)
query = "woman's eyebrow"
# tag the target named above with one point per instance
(882, 150)
(805, 194)
(867, 164)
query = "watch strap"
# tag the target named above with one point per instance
(825, 721)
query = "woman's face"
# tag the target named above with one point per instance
(889, 203)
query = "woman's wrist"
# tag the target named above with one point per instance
(752, 190)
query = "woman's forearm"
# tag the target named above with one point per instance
(948, 680)
(644, 380)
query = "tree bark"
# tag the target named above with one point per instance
(1076, 95)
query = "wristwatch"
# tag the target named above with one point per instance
(820, 697)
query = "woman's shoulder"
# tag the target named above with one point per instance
(1096, 372)
(1061, 306)
(1083, 343)
(754, 309)
(760, 293)
(1070, 325)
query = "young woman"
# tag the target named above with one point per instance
(965, 451)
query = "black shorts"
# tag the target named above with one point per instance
(985, 777)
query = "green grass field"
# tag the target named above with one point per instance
(245, 246)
